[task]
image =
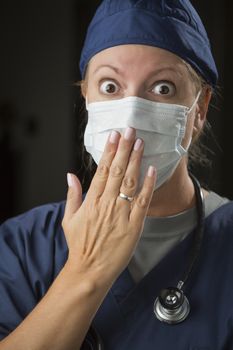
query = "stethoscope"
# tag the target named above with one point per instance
(171, 306)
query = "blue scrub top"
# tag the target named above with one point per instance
(33, 250)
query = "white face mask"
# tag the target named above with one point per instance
(161, 126)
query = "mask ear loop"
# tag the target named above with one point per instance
(86, 103)
(189, 111)
(194, 103)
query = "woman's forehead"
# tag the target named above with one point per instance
(126, 57)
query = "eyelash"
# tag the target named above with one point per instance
(107, 80)
(165, 82)
(155, 84)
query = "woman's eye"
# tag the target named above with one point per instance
(164, 88)
(109, 87)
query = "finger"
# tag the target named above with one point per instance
(119, 164)
(74, 196)
(100, 178)
(142, 201)
(130, 181)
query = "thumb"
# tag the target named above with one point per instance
(74, 196)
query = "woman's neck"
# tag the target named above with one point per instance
(175, 196)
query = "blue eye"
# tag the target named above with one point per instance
(109, 87)
(164, 88)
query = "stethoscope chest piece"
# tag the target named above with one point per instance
(171, 306)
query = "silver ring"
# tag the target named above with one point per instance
(125, 197)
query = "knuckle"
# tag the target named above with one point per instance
(102, 170)
(116, 171)
(129, 182)
(111, 153)
(134, 158)
(142, 202)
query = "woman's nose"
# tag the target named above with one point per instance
(135, 91)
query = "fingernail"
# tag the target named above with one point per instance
(138, 144)
(129, 133)
(70, 180)
(113, 137)
(151, 171)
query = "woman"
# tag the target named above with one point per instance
(148, 75)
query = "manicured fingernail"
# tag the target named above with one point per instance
(129, 133)
(138, 144)
(151, 171)
(70, 180)
(113, 137)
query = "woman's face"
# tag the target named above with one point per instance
(144, 71)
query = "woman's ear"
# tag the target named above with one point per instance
(83, 88)
(201, 111)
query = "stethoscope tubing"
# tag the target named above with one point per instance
(94, 341)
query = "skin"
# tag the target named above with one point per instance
(103, 230)
(137, 70)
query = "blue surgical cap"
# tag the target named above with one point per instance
(173, 25)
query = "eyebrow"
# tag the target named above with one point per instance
(118, 71)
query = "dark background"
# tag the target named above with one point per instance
(40, 44)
